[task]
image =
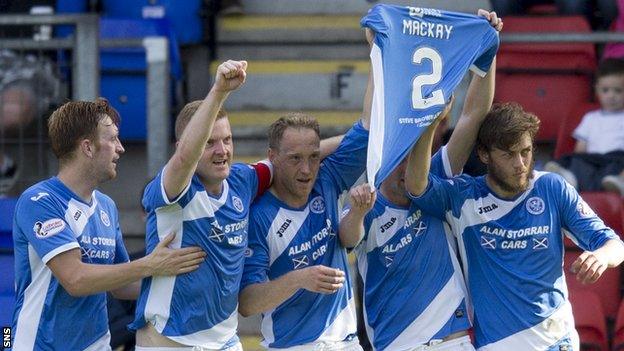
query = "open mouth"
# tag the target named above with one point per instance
(219, 163)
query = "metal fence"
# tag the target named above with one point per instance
(28, 144)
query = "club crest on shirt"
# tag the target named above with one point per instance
(535, 205)
(104, 218)
(48, 228)
(317, 205)
(238, 203)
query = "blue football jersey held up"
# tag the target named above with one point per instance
(50, 219)
(419, 56)
(512, 252)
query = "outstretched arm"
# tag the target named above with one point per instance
(261, 297)
(180, 168)
(81, 279)
(478, 102)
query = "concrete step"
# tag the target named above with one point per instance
(290, 29)
(302, 85)
(294, 51)
(358, 7)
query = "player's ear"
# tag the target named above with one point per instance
(87, 147)
(483, 154)
(272, 154)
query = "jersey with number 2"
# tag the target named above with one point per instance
(419, 56)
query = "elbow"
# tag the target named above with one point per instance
(245, 310)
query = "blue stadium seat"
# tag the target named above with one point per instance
(184, 15)
(123, 71)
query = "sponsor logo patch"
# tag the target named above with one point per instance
(238, 204)
(584, 210)
(104, 218)
(48, 228)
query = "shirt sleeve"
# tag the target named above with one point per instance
(587, 230)
(581, 132)
(256, 269)
(43, 223)
(374, 20)
(440, 164)
(488, 50)
(439, 196)
(345, 165)
(154, 195)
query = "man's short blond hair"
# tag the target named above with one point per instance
(184, 117)
(295, 120)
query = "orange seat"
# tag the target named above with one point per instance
(547, 56)
(551, 97)
(607, 288)
(589, 320)
(565, 141)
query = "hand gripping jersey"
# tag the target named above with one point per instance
(419, 56)
(200, 308)
(414, 290)
(512, 251)
(49, 220)
(282, 239)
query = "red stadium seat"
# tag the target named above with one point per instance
(547, 56)
(607, 206)
(589, 320)
(565, 141)
(618, 335)
(607, 288)
(551, 97)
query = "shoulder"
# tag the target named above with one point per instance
(39, 195)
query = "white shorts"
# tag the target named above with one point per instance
(237, 347)
(351, 345)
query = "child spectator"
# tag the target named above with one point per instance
(599, 150)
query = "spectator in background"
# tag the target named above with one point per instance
(599, 149)
(29, 86)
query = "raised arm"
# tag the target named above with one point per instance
(351, 228)
(478, 102)
(180, 168)
(261, 297)
(81, 279)
(419, 158)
